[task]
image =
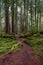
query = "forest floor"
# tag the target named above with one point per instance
(21, 57)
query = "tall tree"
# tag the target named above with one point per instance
(35, 14)
(16, 13)
(21, 20)
(0, 13)
(31, 13)
(26, 14)
(6, 15)
(12, 9)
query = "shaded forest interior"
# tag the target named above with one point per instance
(21, 32)
(21, 16)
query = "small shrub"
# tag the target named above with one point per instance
(36, 35)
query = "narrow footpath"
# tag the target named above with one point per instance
(22, 57)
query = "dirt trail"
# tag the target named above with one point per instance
(23, 57)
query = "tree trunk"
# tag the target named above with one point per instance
(6, 17)
(16, 17)
(21, 19)
(40, 21)
(12, 9)
(31, 13)
(35, 14)
(37, 21)
(21, 22)
(26, 14)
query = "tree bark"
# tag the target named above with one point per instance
(16, 17)
(6, 17)
(12, 9)
(31, 13)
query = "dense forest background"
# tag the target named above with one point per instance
(18, 16)
(21, 32)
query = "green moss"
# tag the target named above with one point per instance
(7, 45)
(36, 43)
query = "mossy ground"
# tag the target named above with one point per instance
(36, 43)
(8, 45)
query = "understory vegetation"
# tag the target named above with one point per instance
(8, 45)
(21, 19)
(35, 41)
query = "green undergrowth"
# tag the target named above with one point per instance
(36, 43)
(8, 45)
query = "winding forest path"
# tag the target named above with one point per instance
(23, 57)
